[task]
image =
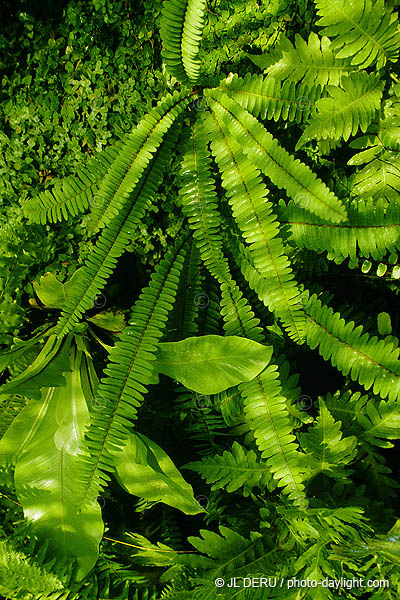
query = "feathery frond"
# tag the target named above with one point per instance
(374, 363)
(129, 372)
(350, 107)
(364, 30)
(181, 32)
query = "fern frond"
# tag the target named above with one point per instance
(350, 108)
(374, 363)
(326, 451)
(20, 576)
(372, 229)
(380, 154)
(268, 98)
(379, 421)
(230, 553)
(70, 196)
(183, 320)
(199, 203)
(364, 30)
(233, 470)
(238, 316)
(181, 31)
(266, 412)
(134, 155)
(312, 62)
(253, 214)
(272, 160)
(92, 277)
(129, 371)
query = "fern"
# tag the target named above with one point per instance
(91, 278)
(374, 363)
(134, 155)
(267, 98)
(129, 371)
(372, 230)
(272, 160)
(312, 62)
(265, 410)
(233, 470)
(181, 30)
(72, 195)
(325, 449)
(365, 31)
(253, 215)
(347, 110)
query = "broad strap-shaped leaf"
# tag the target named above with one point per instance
(23, 428)
(74, 194)
(267, 155)
(266, 413)
(233, 470)
(181, 31)
(210, 364)
(47, 369)
(312, 62)
(129, 372)
(364, 30)
(92, 277)
(253, 214)
(372, 229)
(145, 470)
(136, 152)
(372, 362)
(326, 450)
(46, 475)
(350, 108)
(268, 98)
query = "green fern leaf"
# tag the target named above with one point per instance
(374, 363)
(253, 214)
(364, 30)
(268, 98)
(199, 204)
(311, 62)
(233, 470)
(272, 160)
(181, 31)
(72, 195)
(130, 370)
(325, 450)
(372, 229)
(91, 278)
(135, 154)
(348, 109)
(380, 421)
(266, 412)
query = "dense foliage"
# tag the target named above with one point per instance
(200, 366)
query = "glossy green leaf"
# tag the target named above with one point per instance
(50, 291)
(211, 363)
(109, 320)
(46, 474)
(145, 470)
